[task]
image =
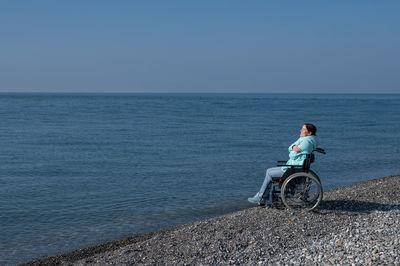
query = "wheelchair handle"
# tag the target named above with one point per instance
(319, 150)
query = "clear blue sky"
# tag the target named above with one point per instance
(200, 46)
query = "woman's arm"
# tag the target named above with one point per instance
(306, 146)
(296, 148)
(296, 143)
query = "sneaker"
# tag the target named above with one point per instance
(256, 199)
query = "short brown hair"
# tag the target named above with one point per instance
(311, 128)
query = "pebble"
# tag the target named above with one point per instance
(354, 225)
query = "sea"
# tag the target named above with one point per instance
(81, 169)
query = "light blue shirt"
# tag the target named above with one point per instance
(306, 144)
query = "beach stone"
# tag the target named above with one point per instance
(355, 225)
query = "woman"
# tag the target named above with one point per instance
(297, 153)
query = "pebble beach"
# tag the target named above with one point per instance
(356, 224)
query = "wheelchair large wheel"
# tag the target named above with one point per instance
(301, 191)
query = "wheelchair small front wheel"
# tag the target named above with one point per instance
(301, 191)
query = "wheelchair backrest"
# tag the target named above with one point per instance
(310, 158)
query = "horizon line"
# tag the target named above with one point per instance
(95, 92)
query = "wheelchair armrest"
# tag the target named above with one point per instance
(281, 163)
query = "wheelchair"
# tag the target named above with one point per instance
(298, 189)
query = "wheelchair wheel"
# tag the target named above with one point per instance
(301, 191)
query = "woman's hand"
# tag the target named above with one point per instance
(296, 148)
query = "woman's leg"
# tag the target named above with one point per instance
(271, 172)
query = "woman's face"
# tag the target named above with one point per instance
(304, 132)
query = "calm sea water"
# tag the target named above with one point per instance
(77, 170)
